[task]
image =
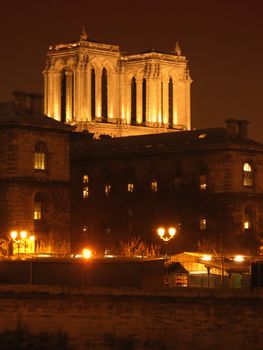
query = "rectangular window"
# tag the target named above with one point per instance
(154, 186)
(202, 182)
(130, 187)
(202, 224)
(38, 211)
(85, 192)
(247, 225)
(40, 159)
(248, 181)
(107, 190)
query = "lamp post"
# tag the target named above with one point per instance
(166, 234)
(20, 238)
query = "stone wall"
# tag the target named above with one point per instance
(62, 318)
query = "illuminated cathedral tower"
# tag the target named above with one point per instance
(97, 88)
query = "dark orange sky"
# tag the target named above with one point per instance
(223, 41)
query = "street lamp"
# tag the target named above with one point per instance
(19, 239)
(166, 235)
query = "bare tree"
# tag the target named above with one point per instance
(135, 246)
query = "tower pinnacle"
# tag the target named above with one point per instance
(83, 35)
(177, 49)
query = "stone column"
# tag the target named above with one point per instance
(83, 92)
(76, 94)
(148, 100)
(188, 105)
(139, 101)
(45, 74)
(111, 95)
(176, 97)
(98, 92)
(128, 101)
(50, 93)
(159, 115)
(57, 95)
(88, 93)
(165, 99)
(120, 96)
(69, 76)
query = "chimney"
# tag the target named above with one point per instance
(243, 129)
(232, 126)
(35, 102)
(20, 101)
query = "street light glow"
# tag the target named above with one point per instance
(206, 258)
(239, 258)
(13, 234)
(86, 253)
(23, 234)
(172, 231)
(161, 231)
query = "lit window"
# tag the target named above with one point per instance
(130, 187)
(154, 186)
(85, 179)
(202, 182)
(247, 225)
(38, 207)
(249, 217)
(40, 156)
(85, 192)
(39, 246)
(107, 190)
(247, 175)
(202, 224)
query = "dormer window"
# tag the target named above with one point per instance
(247, 175)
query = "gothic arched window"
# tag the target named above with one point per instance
(39, 207)
(40, 156)
(63, 96)
(133, 101)
(104, 94)
(170, 102)
(247, 175)
(93, 93)
(144, 100)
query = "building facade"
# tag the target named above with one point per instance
(34, 176)
(98, 88)
(206, 183)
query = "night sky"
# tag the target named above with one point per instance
(223, 41)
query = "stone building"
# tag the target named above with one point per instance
(100, 89)
(207, 183)
(34, 174)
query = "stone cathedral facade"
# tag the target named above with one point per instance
(97, 88)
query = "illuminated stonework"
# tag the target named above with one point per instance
(97, 88)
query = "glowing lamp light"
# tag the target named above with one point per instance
(172, 231)
(13, 234)
(239, 258)
(32, 238)
(206, 258)
(23, 234)
(86, 253)
(161, 231)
